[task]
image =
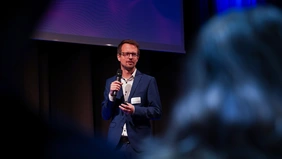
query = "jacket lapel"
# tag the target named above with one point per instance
(120, 93)
(136, 81)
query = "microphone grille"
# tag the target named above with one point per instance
(119, 72)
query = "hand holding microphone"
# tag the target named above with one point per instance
(116, 85)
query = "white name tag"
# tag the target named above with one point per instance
(135, 100)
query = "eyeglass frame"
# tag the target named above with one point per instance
(127, 54)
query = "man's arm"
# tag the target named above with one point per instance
(107, 104)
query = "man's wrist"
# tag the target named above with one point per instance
(111, 98)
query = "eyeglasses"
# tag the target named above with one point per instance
(127, 54)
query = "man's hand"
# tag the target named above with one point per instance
(116, 85)
(127, 108)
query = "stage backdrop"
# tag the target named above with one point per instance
(155, 24)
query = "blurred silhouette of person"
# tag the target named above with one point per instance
(232, 107)
(25, 133)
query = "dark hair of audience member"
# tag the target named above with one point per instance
(232, 108)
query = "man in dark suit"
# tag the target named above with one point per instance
(130, 103)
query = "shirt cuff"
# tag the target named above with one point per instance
(111, 98)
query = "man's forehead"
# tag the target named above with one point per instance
(128, 47)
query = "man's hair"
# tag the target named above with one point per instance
(128, 41)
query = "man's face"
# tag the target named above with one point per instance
(129, 56)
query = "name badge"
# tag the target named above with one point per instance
(135, 100)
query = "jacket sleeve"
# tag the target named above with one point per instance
(107, 105)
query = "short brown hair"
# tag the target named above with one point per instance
(128, 41)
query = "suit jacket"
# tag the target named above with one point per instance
(144, 95)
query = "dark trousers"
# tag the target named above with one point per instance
(126, 149)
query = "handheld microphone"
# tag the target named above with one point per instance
(119, 74)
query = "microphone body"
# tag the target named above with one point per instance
(119, 75)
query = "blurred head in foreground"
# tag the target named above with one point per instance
(233, 106)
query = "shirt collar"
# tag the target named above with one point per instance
(134, 73)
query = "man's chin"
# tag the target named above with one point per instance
(129, 67)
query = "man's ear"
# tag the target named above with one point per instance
(118, 57)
